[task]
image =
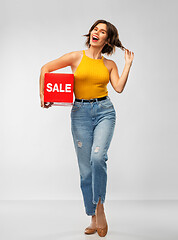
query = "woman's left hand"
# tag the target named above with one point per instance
(129, 56)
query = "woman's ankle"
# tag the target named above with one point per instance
(100, 207)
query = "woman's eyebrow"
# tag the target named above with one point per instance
(101, 29)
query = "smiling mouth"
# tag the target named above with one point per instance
(95, 39)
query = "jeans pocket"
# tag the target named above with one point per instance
(76, 106)
(106, 104)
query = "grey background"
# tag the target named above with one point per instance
(37, 157)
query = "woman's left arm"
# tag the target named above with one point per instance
(117, 82)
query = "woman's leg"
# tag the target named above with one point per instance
(82, 132)
(105, 118)
(103, 133)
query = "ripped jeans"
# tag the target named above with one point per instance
(92, 126)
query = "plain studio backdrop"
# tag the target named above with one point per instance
(37, 157)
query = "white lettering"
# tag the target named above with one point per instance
(68, 87)
(61, 88)
(49, 85)
(55, 87)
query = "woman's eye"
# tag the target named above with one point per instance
(95, 29)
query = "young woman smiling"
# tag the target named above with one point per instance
(93, 116)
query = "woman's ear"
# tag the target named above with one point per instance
(107, 42)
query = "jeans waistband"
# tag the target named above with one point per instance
(91, 100)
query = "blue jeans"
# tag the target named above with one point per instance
(92, 126)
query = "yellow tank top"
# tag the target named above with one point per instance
(91, 78)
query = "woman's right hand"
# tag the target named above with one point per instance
(44, 104)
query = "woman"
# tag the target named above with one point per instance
(93, 115)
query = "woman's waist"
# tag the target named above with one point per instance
(91, 99)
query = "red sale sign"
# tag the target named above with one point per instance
(58, 88)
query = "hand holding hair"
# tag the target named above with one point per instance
(129, 56)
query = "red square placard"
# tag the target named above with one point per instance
(58, 88)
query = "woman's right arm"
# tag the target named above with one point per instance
(62, 62)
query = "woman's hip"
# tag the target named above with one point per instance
(94, 109)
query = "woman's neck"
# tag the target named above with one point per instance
(94, 52)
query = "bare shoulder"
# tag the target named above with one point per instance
(110, 64)
(109, 61)
(76, 54)
(76, 59)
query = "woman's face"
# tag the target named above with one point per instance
(98, 36)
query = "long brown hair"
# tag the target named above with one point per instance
(113, 38)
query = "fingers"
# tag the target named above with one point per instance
(42, 104)
(129, 52)
(47, 105)
(42, 99)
